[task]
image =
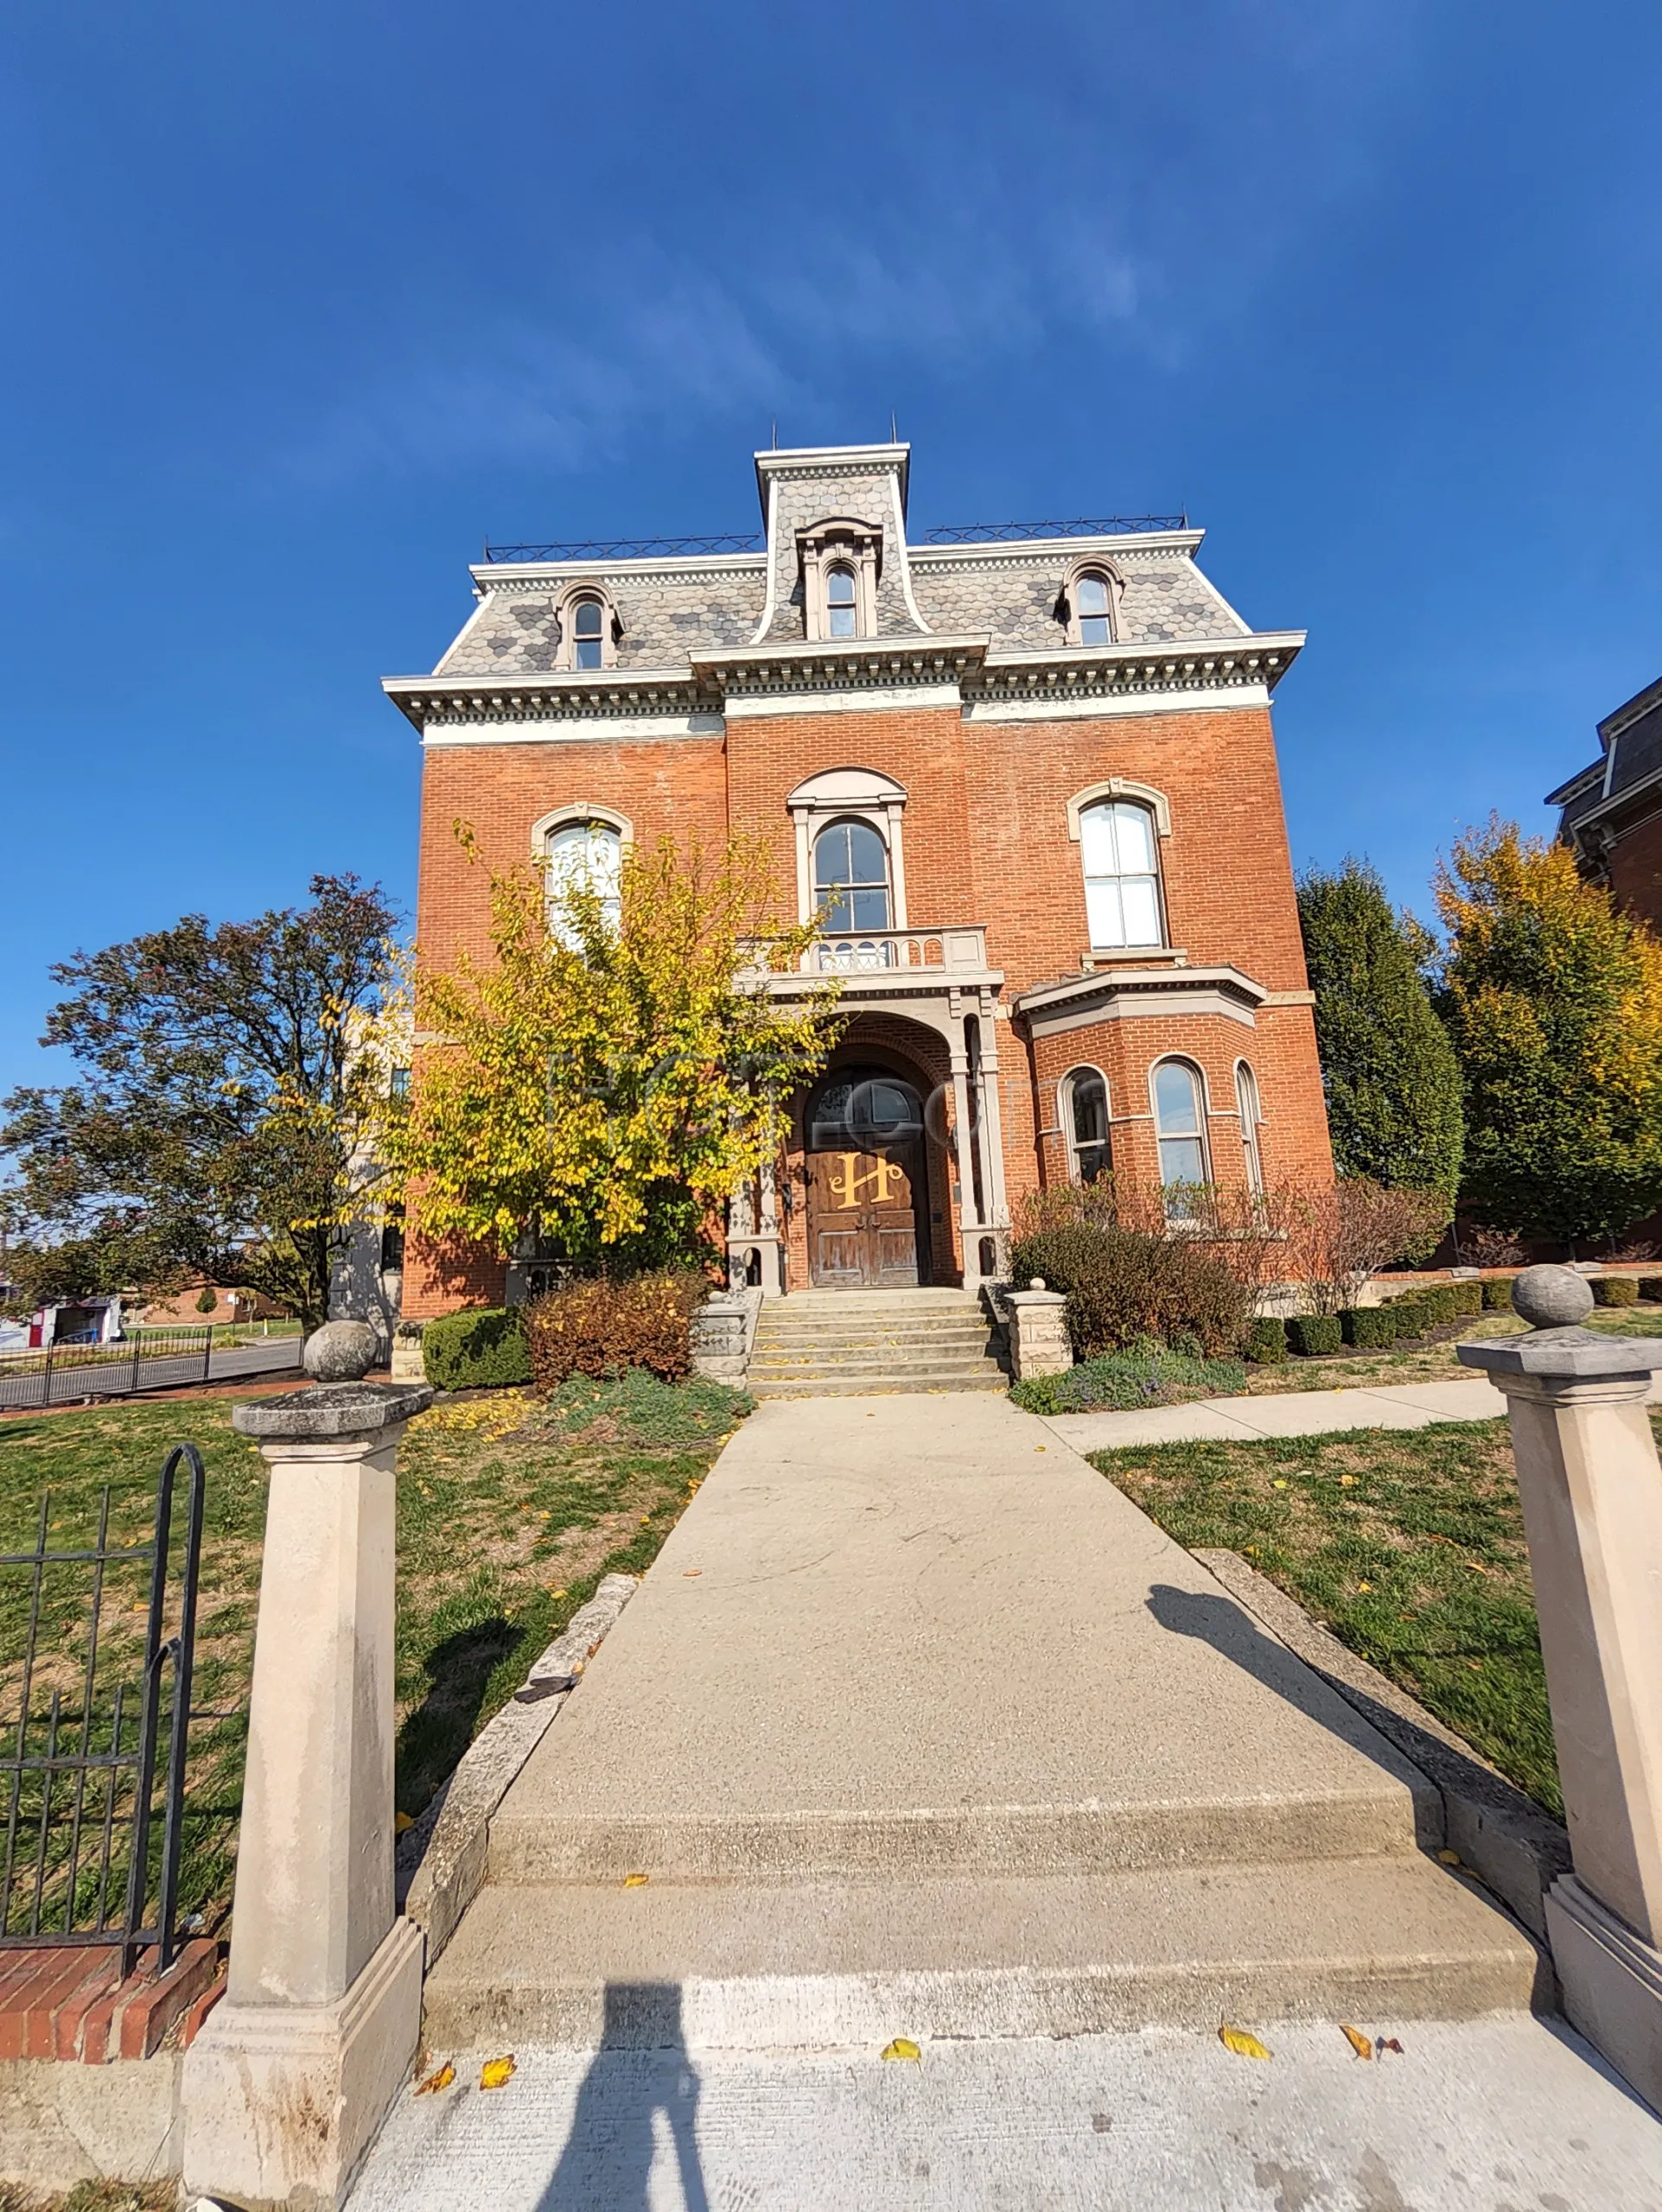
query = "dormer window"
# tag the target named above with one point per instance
(1090, 603)
(839, 602)
(586, 617)
(842, 560)
(588, 628)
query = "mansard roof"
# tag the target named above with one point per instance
(672, 608)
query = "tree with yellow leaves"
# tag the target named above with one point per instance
(617, 1068)
(1552, 995)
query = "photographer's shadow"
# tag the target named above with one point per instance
(640, 2071)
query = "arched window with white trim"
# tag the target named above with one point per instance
(1181, 1129)
(1120, 854)
(1085, 1124)
(589, 853)
(851, 877)
(1246, 1099)
(1091, 609)
(841, 605)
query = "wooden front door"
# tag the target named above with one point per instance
(862, 1220)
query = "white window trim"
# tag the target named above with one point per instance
(881, 803)
(1065, 1114)
(1251, 1143)
(1120, 787)
(840, 541)
(1184, 1060)
(1092, 564)
(548, 826)
(565, 609)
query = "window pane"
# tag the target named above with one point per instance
(830, 856)
(1176, 1101)
(868, 856)
(871, 908)
(841, 624)
(1093, 595)
(1102, 912)
(588, 652)
(1094, 630)
(1094, 1160)
(1141, 908)
(834, 911)
(839, 587)
(1134, 834)
(588, 621)
(1097, 846)
(1090, 1109)
(1181, 1161)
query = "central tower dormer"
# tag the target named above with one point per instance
(837, 562)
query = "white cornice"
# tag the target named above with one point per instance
(1118, 994)
(1105, 671)
(1045, 552)
(543, 696)
(682, 567)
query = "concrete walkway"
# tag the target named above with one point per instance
(1491, 2116)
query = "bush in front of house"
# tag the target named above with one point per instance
(1266, 1340)
(1142, 1374)
(1615, 1290)
(1412, 1316)
(1650, 1289)
(1124, 1286)
(1368, 1325)
(600, 1327)
(1311, 1335)
(482, 1349)
(1497, 1294)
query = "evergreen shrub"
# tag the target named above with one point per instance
(1124, 1286)
(1312, 1334)
(1615, 1290)
(480, 1349)
(1143, 1374)
(1411, 1317)
(1650, 1289)
(1497, 1294)
(1266, 1340)
(1368, 1325)
(1465, 1299)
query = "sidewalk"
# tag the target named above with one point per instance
(1289, 1413)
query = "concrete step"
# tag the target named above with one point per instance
(793, 1966)
(885, 1332)
(868, 1386)
(799, 1361)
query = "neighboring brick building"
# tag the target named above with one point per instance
(1029, 779)
(1611, 814)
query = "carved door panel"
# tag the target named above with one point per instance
(863, 1218)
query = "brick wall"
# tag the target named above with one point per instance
(1636, 870)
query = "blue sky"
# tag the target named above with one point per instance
(303, 302)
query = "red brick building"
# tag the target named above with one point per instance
(1027, 777)
(1611, 814)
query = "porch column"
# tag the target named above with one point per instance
(992, 1124)
(968, 1224)
(773, 1259)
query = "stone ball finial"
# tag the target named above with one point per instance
(1551, 1298)
(1035, 1282)
(340, 1351)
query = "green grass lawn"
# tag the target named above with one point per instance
(1409, 1545)
(510, 1512)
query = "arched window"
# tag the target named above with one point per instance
(1091, 609)
(588, 633)
(859, 1108)
(1122, 874)
(1246, 1098)
(589, 854)
(1085, 1124)
(1179, 1124)
(839, 602)
(851, 877)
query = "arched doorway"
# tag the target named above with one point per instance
(868, 1206)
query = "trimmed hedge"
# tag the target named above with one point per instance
(1266, 1341)
(1124, 1287)
(1615, 1290)
(1412, 1316)
(1312, 1334)
(1650, 1289)
(482, 1349)
(1465, 1299)
(605, 1328)
(1368, 1325)
(1497, 1294)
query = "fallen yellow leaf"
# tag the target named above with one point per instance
(440, 2079)
(1346, 1481)
(1241, 2043)
(1279, 1485)
(1362, 2045)
(1365, 1586)
(556, 1594)
(636, 1881)
(400, 1822)
(1449, 1857)
(496, 2073)
(903, 2046)
(688, 1573)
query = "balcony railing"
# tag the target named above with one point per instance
(959, 951)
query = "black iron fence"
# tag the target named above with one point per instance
(98, 1725)
(149, 1359)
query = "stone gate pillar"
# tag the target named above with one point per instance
(1591, 1486)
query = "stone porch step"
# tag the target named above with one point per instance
(865, 1386)
(796, 1966)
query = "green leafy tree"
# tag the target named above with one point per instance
(228, 1124)
(616, 1069)
(1553, 997)
(1388, 1068)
